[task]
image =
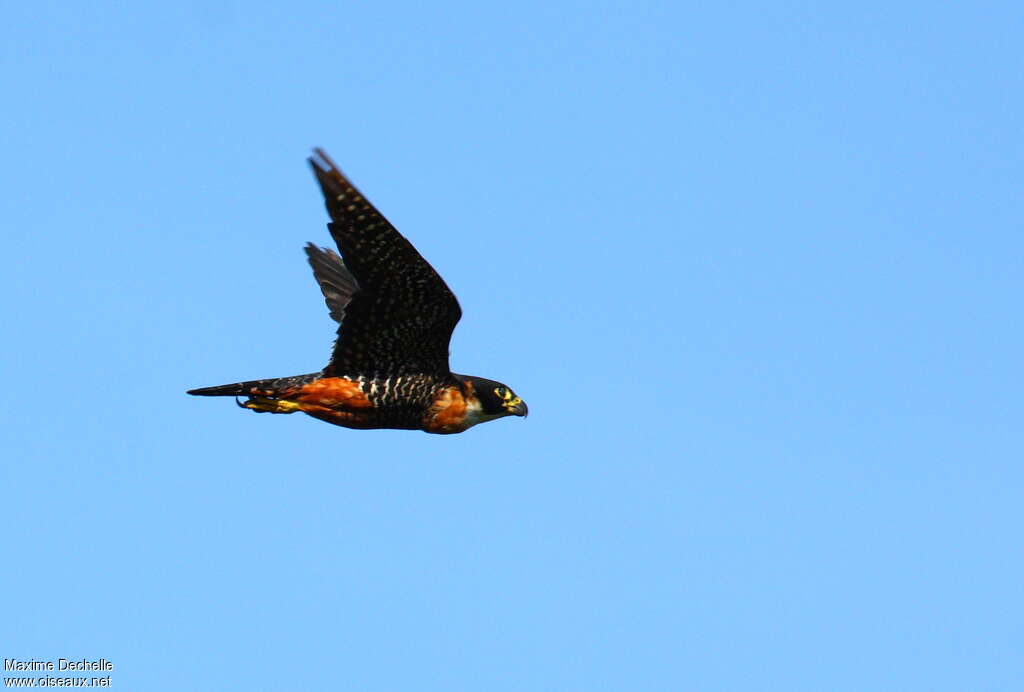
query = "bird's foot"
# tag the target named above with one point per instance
(262, 404)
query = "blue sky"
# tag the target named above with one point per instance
(756, 267)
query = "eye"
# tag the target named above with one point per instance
(502, 392)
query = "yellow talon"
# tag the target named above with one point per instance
(264, 405)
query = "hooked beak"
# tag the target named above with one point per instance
(517, 407)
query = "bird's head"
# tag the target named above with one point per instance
(491, 399)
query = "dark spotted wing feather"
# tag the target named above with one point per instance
(401, 318)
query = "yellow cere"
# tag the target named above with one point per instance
(510, 399)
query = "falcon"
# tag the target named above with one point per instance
(395, 315)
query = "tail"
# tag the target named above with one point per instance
(256, 387)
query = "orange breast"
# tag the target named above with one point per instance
(448, 412)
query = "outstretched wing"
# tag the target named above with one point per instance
(336, 281)
(400, 316)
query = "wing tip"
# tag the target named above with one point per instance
(332, 181)
(315, 251)
(322, 163)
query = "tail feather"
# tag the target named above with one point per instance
(256, 387)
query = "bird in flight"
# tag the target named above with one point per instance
(395, 316)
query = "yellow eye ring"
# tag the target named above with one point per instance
(503, 393)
